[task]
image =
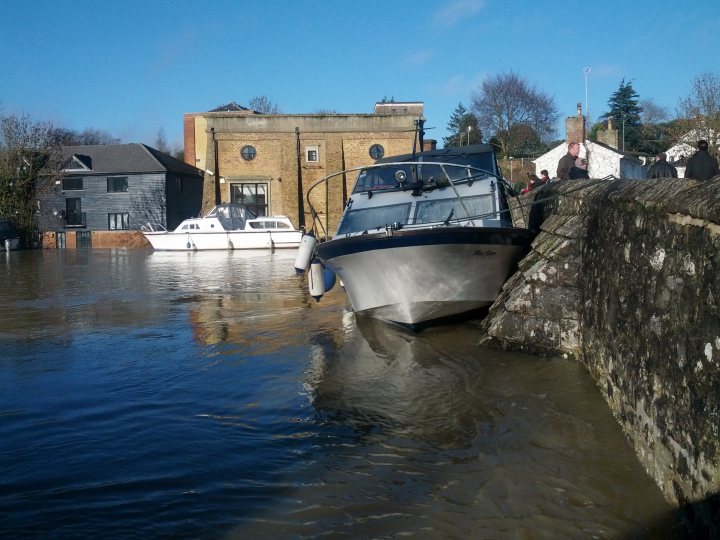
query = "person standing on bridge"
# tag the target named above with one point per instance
(567, 162)
(661, 168)
(701, 164)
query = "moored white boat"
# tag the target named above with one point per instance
(426, 236)
(9, 239)
(227, 226)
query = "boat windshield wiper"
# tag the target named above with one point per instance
(447, 220)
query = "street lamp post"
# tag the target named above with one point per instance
(587, 111)
(469, 129)
(511, 169)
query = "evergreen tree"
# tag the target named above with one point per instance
(458, 125)
(625, 113)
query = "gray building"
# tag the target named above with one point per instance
(119, 187)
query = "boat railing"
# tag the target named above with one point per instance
(149, 227)
(475, 174)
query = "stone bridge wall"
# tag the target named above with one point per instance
(625, 277)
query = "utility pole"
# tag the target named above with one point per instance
(587, 111)
(218, 198)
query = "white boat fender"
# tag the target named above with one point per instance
(316, 279)
(305, 251)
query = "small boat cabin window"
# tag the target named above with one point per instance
(248, 152)
(377, 151)
(312, 154)
(380, 178)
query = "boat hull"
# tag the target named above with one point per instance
(413, 277)
(201, 241)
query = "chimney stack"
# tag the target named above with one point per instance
(575, 127)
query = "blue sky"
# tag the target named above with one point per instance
(132, 67)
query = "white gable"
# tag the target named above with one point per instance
(602, 161)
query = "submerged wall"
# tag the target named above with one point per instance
(625, 277)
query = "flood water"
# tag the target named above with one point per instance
(206, 395)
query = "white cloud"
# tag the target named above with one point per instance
(418, 58)
(459, 86)
(457, 10)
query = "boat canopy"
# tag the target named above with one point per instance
(231, 216)
(425, 167)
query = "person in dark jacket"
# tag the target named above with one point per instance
(567, 162)
(544, 177)
(579, 170)
(701, 164)
(661, 168)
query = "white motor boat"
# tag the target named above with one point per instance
(9, 239)
(424, 237)
(227, 226)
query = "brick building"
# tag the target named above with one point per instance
(267, 161)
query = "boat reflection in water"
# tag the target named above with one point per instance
(230, 292)
(429, 435)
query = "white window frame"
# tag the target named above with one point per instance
(309, 150)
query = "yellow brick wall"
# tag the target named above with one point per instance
(344, 144)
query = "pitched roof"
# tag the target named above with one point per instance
(230, 107)
(126, 158)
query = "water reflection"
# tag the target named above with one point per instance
(449, 440)
(197, 394)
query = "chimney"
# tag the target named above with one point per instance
(429, 145)
(608, 136)
(575, 127)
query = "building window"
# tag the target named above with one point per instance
(72, 184)
(253, 195)
(377, 151)
(311, 154)
(118, 221)
(248, 152)
(117, 184)
(74, 216)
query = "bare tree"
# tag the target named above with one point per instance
(652, 113)
(69, 137)
(507, 101)
(161, 143)
(262, 105)
(30, 164)
(701, 108)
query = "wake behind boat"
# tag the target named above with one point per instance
(423, 236)
(226, 226)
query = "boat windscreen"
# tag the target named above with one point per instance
(433, 211)
(380, 178)
(233, 217)
(368, 219)
(391, 176)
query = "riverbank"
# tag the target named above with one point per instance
(625, 277)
